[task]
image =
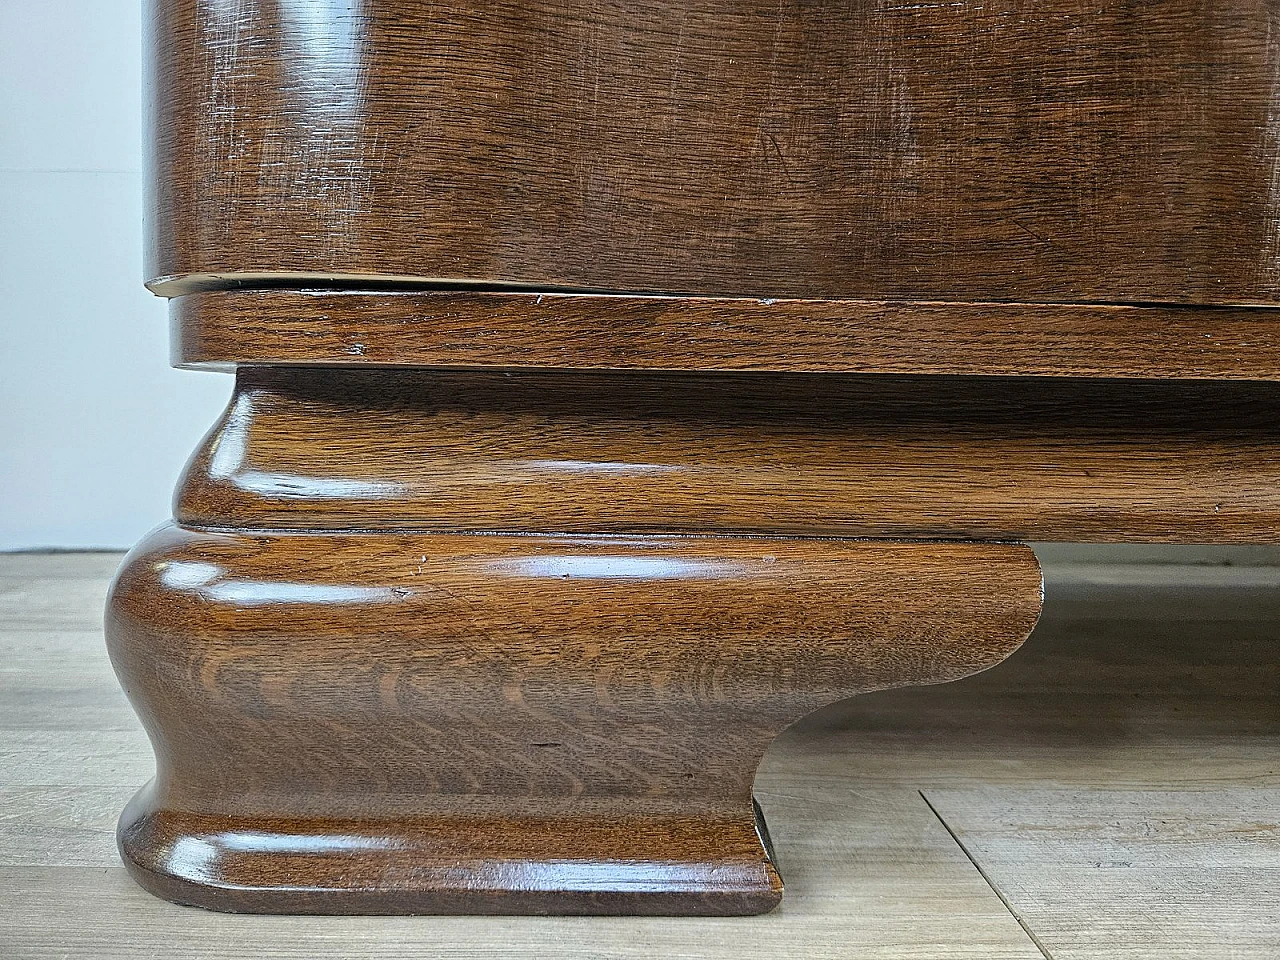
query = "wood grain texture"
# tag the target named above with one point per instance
(439, 723)
(583, 331)
(1073, 150)
(801, 455)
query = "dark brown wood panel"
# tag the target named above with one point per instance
(816, 455)
(400, 723)
(1078, 150)
(586, 331)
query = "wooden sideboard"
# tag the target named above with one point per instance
(617, 383)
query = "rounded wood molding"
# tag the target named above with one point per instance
(599, 452)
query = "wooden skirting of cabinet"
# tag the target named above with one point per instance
(465, 641)
(404, 325)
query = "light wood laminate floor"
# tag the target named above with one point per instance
(1111, 791)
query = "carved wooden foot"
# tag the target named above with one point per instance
(400, 721)
(444, 723)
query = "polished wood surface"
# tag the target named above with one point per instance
(515, 641)
(1066, 150)
(381, 723)
(869, 456)
(584, 331)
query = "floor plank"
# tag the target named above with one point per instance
(1133, 874)
(53, 602)
(1117, 782)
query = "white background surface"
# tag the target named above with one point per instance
(94, 425)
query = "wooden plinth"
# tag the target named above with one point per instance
(445, 641)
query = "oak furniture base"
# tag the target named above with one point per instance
(428, 641)
(387, 722)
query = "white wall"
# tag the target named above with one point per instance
(94, 426)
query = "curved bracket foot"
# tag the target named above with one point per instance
(442, 723)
